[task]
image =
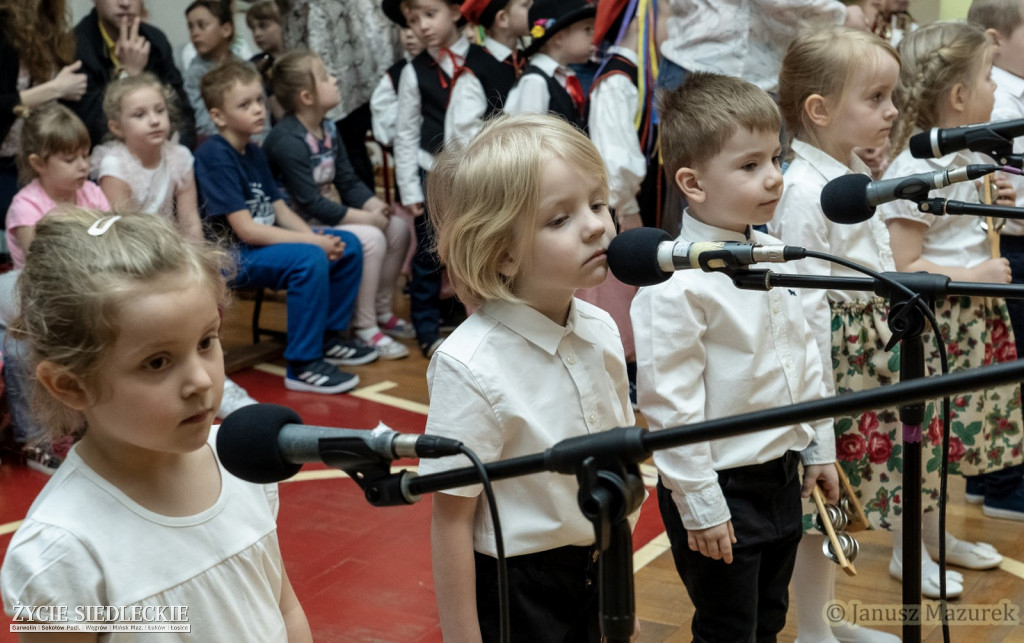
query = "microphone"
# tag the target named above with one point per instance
(982, 137)
(265, 443)
(648, 256)
(852, 198)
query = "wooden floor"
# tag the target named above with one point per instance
(662, 604)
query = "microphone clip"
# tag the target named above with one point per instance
(369, 470)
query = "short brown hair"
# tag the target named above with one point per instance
(483, 197)
(264, 10)
(699, 117)
(1002, 15)
(223, 77)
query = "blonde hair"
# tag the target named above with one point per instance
(292, 73)
(1002, 15)
(73, 283)
(821, 61)
(483, 198)
(935, 59)
(121, 88)
(219, 80)
(699, 117)
(50, 129)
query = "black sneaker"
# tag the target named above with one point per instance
(348, 352)
(319, 377)
(428, 348)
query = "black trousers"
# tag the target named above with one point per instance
(552, 596)
(352, 131)
(747, 600)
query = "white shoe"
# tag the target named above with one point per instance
(930, 578)
(386, 347)
(968, 555)
(235, 397)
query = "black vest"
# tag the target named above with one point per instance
(560, 102)
(394, 72)
(433, 100)
(496, 77)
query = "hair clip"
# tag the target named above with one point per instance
(100, 226)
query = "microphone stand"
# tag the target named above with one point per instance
(940, 206)
(606, 465)
(907, 323)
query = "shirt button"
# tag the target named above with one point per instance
(571, 359)
(593, 416)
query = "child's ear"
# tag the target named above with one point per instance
(958, 97)
(306, 97)
(507, 266)
(500, 20)
(817, 110)
(217, 116)
(37, 163)
(66, 387)
(688, 180)
(115, 128)
(993, 36)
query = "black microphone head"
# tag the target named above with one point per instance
(920, 145)
(247, 443)
(633, 256)
(844, 199)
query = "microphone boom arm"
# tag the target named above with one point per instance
(939, 206)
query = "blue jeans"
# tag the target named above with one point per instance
(18, 384)
(321, 293)
(425, 285)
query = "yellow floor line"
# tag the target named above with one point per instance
(1012, 566)
(10, 527)
(646, 554)
(271, 368)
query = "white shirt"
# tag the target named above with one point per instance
(468, 104)
(384, 109)
(409, 156)
(1010, 106)
(707, 350)
(84, 542)
(530, 94)
(613, 107)
(799, 221)
(951, 240)
(510, 382)
(744, 38)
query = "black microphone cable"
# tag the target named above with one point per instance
(499, 543)
(922, 305)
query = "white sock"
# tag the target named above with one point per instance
(813, 586)
(366, 334)
(929, 568)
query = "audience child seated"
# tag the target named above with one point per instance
(306, 155)
(706, 349)
(275, 247)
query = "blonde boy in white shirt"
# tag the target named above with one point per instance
(706, 350)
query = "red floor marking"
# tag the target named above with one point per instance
(361, 573)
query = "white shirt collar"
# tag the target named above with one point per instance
(826, 165)
(532, 325)
(496, 49)
(1010, 83)
(548, 65)
(625, 52)
(694, 230)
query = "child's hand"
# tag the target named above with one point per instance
(332, 244)
(1005, 193)
(416, 209)
(132, 50)
(825, 476)
(379, 206)
(996, 271)
(714, 542)
(70, 83)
